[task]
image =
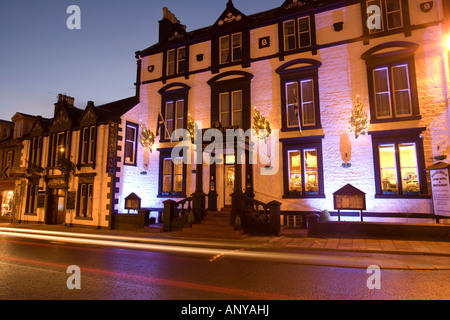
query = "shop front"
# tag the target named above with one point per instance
(7, 199)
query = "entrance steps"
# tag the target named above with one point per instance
(216, 224)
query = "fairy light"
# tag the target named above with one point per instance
(358, 120)
(146, 138)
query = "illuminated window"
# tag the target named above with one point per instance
(60, 146)
(303, 172)
(131, 133)
(172, 176)
(304, 175)
(399, 174)
(399, 163)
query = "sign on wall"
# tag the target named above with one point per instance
(111, 152)
(440, 186)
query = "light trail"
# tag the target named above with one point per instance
(343, 260)
(124, 238)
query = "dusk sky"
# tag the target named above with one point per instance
(40, 57)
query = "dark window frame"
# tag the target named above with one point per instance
(82, 204)
(397, 137)
(241, 82)
(302, 144)
(172, 93)
(298, 49)
(88, 154)
(405, 28)
(403, 56)
(166, 153)
(308, 71)
(132, 162)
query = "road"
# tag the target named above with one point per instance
(34, 267)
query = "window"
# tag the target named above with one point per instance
(131, 133)
(36, 151)
(88, 145)
(392, 82)
(231, 109)
(176, 61)
(297, 39)
(60, 147)
(399, 163)
(300, 103)
(31, 204)
(85, 200)
(391, 14)
(174, 115)
(303, 161)
(172, 175)
(230, 48)
(392, 91)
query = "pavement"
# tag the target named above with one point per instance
(414, 254)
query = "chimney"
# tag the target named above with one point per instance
(168, 25)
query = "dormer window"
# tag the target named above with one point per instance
(230, 48)
(176, 61)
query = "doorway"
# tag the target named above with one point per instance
(56, 207)
(229, 183)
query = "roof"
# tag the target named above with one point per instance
(438, 165)
(254, 20)
(348, 189)
(116, 109)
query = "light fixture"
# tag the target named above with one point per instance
(146, 138)
(358, 121)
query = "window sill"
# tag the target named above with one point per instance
(285, 129)
(170, 196)
(304, 196)
(396, 119)
(84, 218)
(402, 196)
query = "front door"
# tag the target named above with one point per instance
(56, 207)
(229, 183)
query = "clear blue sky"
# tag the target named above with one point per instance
(40, 57)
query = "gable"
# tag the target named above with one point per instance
(61, 122)
(231, 17)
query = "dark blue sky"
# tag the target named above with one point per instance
(40, 57)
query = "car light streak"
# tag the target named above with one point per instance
(124, 238)
(115, 244)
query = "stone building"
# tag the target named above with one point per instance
(70, 164)
(303, 66)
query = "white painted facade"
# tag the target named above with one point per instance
(342, 76)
